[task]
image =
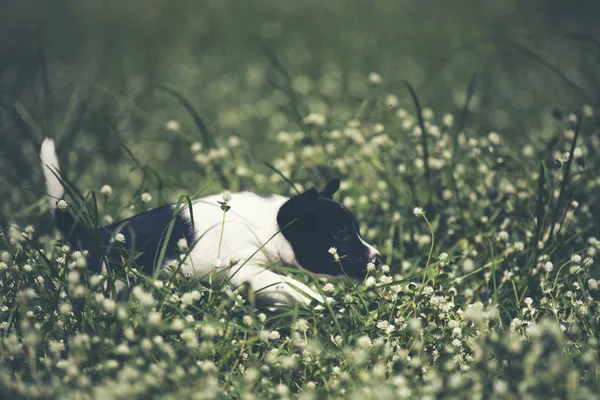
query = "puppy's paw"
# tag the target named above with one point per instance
(288, 294)
(304, 293)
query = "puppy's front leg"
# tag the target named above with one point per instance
(271, 287)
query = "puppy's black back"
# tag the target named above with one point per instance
(145, 235)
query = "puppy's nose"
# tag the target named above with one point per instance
(377, 259)
(373, 257)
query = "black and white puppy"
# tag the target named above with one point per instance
(310, 224)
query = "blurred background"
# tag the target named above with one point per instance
(126, 87)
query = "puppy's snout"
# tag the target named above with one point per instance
(377, 259)
(373, 256)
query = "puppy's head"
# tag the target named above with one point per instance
(313, 222)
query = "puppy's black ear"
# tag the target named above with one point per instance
(331, 187)
(303, 209)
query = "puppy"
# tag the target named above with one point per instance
(258, 230)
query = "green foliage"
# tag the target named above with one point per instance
(507, 308)
(485, 208)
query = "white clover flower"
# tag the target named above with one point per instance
(448, 120)
(209, 330)
(370, 281)
(190, 297)
(370, 267)
(274, 335)
(233, 141)
(201, 159)
(182, 245)
(146, 197)
(119, 238)
(247, 320)
(263, 335)
(80, 260)
(548, 266)
(226, 197)
(282, 390)
(515, 323)
(315, 119)
(494, 138)
(570, 133)
(177, 324)
(65, 308)
(418, 212)
(381, 139)
(500, 386)
(73, 277)
(328, 288)
(196, 147)
(123, 349)
(528, 301)
(391, 100)
(364, 342)
(173, 125)
(337, 340)
(427, 113)
(348, 201)
(374, 78)
(301, 325)
(109, 305)
(334, 253)
(385, 279)
(95, 280)
(527, 150)
(191, 341)
(519, 246)
(403, 114)
(144, 298)
(106, 190)
(61, 205)
(383, 324)
(592, 284)
(563, 157)
(289, 362)
(435, 163)
(587, 111)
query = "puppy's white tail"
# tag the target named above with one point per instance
(50, 167)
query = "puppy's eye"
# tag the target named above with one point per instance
(341, 235)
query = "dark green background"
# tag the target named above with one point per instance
(86, 73)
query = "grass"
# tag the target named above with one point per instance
(489, 292)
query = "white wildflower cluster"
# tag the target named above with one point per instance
(106, 190)
(334, 253)
(315, 119)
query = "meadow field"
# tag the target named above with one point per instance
(467, 140)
